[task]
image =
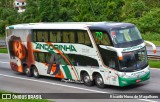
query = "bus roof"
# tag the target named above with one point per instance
(68, 25)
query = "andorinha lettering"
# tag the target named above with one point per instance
(138, 73)
(49, 47)
(132, 48)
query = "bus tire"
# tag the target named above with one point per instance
(99, 81)
(86, 79)
(35, 72)
(27, 71)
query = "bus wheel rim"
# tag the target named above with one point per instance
(99, 81)
(27, 70)
(35, 72)
(86, 79)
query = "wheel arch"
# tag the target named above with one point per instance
(94, 74)
(83, 71)
(31, 68)
(24, 65)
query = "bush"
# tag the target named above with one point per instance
(151, 36)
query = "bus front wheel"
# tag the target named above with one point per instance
(99, 81)
(35, 72)
(86, 79)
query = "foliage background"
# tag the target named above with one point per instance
(143, 13)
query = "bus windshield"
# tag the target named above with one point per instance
(133, 61)
(125, 37)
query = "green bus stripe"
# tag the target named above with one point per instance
(67, 72)
(71, 64)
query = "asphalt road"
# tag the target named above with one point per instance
(19, 83)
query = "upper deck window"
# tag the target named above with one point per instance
(101, 38)
(62, 36)
(126, 37)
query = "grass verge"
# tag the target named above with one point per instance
(20, 100)
(154, 63)
(3, 50)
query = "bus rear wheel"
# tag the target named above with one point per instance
(99, 81)
(35, 72)
(27, 71)
(86, 79)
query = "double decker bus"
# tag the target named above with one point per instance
(101, 53)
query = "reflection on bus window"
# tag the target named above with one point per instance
(110, 59)
(53, 36)
(41, 57)
(68, 36)
(9, 32)
(34, 36)
(42, 36)
(80, 37)
(101, 38)
(125, 37)
(134, 60)
(83, 38)
(78, 60)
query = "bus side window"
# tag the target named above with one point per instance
(9, 32)
(105, 40)
(42, 36)
(65, 36)
(59, 37)
(87, 39)
(78, 60)
(39, 36)
(53, 36)
(72, 37)
(36, 56)
(110, 59)
(80, 37)
(96, 39)
(45, 34)
(68, 37)
(41, 57)
(34, 36)
(47, 57)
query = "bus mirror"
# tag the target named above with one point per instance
(153, 46)
(155, 51)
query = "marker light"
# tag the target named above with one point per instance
(120, 57)
(155, 51)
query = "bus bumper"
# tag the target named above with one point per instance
(130, 81)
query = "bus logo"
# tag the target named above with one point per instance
(49, 47)
(132, 48)
(6, 96)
